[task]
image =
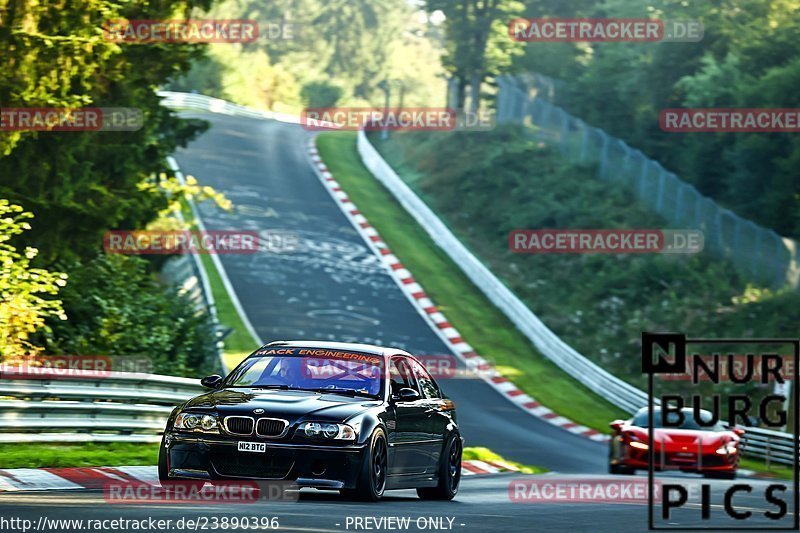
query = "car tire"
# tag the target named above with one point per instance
(168, 483)
(371, 481)
(163, 467)
(449, 473)
(621, 470)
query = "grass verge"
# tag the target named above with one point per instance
(34, 455)
(485, 454)
(238, 343)
(480, 323)
(774, 470)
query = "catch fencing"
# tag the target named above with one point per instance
(758, 253)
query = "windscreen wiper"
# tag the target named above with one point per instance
(281, 387)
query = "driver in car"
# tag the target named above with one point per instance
(290, 373)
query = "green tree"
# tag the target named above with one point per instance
(27, 295)
(321, 94)
(116, 307)
(477, 43)
(54, 54)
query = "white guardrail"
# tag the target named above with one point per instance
(198, 102)
(85, 407)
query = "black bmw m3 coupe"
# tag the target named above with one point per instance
(356, 418)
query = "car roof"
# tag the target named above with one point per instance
(345, 346)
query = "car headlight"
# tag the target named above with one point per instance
(635, 442)
(728, 449)
(197, 422)
(326, 430)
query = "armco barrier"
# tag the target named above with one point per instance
(85, 407)
(770, 445)
(198, 102)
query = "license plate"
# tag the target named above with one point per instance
(257, 447)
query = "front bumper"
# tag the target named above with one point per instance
(214, 457)
(687, 462)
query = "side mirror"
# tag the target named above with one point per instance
(406, 395)
(616, 425)
(212, 382)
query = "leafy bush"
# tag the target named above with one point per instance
(321, 94)
(24, 291)
(116, 307)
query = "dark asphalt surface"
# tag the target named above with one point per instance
(332, 288)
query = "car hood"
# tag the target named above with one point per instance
(289, 405)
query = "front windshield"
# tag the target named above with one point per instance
(689, 421)
(311, 369)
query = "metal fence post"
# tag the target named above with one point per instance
(660, 197)
(545, 118)
(768, 452)
(584, 139)
(679, 202)
(643, 177)
(604, 156)
(698, 215)
(779, 249)
(756, 252)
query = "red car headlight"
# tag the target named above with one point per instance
(636, 442)
(729, 448)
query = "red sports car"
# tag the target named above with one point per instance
(691, 447)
